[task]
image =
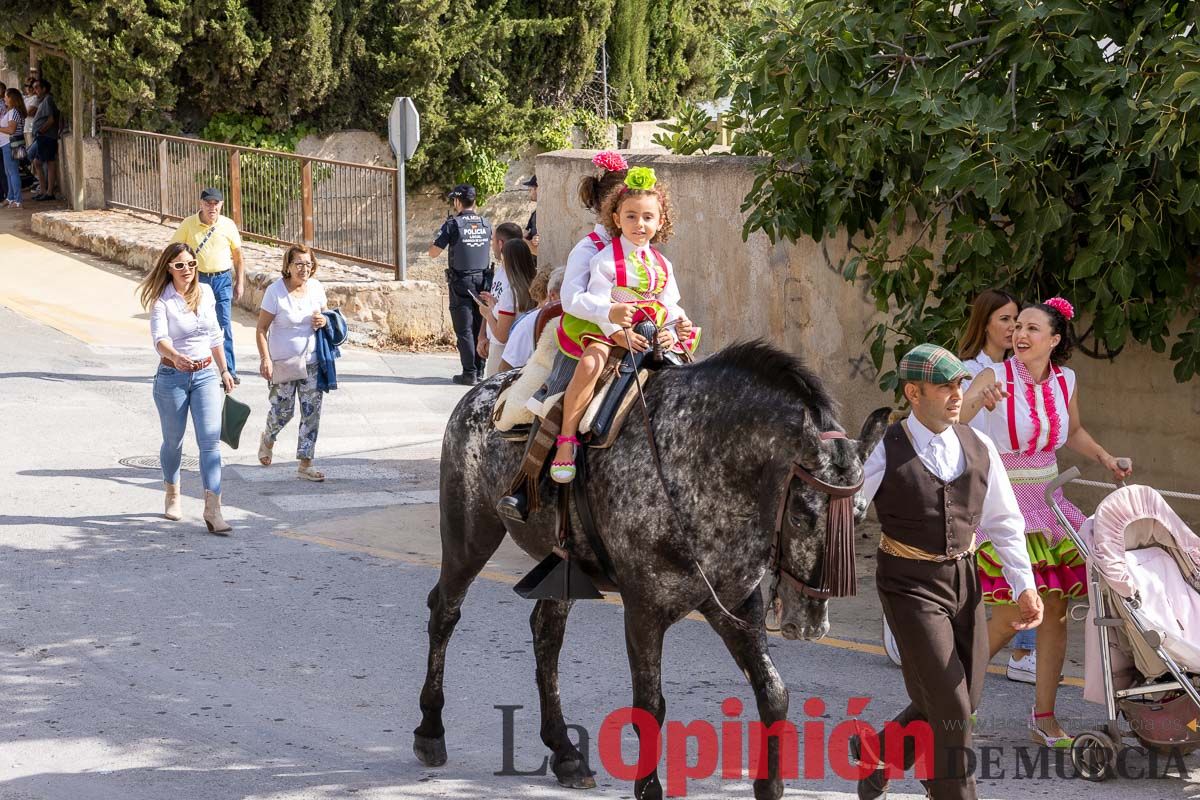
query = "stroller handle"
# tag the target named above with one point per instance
(1062, 480)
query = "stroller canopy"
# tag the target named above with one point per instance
(1134, 517)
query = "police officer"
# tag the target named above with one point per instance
(468, 235)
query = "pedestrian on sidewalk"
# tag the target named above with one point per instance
(218, 247)
(187, 339)
(468, 235)
(531, 231)
(291, 314)
(12, 126)
(500, 311)
(932, 481)
(486, 344)
(46, 125)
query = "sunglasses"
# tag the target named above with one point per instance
(304, 264)
(182, 265)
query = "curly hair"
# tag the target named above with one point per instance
(1062, 327)
(612, 203)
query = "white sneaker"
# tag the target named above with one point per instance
(889, 644)
(1024, 669)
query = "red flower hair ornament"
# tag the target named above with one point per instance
(610, 161)
(1062, 306)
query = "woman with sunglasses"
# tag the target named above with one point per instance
(191, 374)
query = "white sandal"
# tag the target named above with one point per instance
(310, 473)
(264, 450)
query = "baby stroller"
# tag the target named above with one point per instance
(1143, 634)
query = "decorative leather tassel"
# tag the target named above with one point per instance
(838, 575)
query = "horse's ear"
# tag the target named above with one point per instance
(872, 431)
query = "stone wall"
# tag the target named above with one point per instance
(792, 294)
(395, 312)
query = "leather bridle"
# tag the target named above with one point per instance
(837, 567)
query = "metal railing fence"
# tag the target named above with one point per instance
(337, 208)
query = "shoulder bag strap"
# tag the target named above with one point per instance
(207, 236)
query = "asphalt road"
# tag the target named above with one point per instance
(142, 659)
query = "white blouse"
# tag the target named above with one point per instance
(192, 333)
(594, 304)
(575, 279)
(1040, 409)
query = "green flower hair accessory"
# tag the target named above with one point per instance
(641, 178)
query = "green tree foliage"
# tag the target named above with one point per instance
(628, 51)
(490, 77)
(1049, 147)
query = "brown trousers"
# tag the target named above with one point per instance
(935, 611)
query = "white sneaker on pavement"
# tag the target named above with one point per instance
(1023, 669)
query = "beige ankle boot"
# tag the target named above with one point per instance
(173, 509)
(212, 514)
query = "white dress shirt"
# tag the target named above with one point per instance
(595, 303)
(575, 279)
(192, 333)
(943, 454)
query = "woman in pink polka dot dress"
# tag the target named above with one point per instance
(1030, 408)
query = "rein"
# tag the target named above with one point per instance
(662, 480)
(837, 568)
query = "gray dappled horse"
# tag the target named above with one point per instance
(728, 429)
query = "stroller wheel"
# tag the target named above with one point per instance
(1094, 755)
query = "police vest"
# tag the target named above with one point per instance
(471, 252)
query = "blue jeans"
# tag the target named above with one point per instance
(12, 175)
(175, 393)
(221, 284)
(1024, 640)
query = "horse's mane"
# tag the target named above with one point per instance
(772, 368)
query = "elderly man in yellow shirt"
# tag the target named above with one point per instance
(218, 248)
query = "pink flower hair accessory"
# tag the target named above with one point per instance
(610, 160)
(1062, 306)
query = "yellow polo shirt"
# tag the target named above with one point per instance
(217, 255)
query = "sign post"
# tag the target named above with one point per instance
(404, 132)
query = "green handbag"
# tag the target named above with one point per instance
(233, 419)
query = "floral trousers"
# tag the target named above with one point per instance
(283, 408)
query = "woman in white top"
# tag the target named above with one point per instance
(988, 338)
(12, 126)
(191, 374)
(986, 343)
(1030, 408)
(292, 312)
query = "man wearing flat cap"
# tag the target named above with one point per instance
(218, 247)
(934, 482)
(469, 236)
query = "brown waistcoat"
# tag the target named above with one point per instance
(917, 508)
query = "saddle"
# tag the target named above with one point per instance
(563, 574)
(602, 422)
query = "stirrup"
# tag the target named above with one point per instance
(564, 471)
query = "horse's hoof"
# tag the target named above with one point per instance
(651, 790)
(768, 789)
(573, 773)
(430, 752)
